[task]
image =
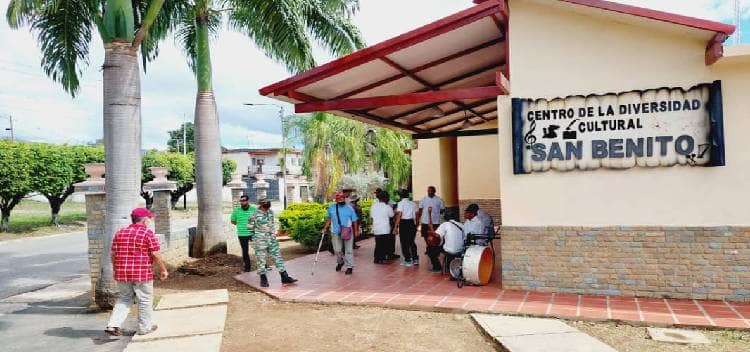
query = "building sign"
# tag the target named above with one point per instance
(656, 127)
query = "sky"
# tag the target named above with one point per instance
(43, 112)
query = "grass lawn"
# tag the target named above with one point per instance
(31, 218)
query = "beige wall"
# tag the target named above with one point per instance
(478, 172)
(556, 52)
(425, 166)
(477, 167)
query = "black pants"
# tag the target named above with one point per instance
(448, 258)
(391, 250)
(244, 243)
(407, 233)
(381, 247)
(434, 253)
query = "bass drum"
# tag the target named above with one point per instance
(478, 264)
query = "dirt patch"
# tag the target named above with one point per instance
(256, 322)
(626, 338)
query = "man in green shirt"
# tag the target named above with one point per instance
(239, 218)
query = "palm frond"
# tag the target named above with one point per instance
(332, 27)
(170, 12)
(277, 27)
(185, 30)
(21, 12)
(64, 34)
(185, 36)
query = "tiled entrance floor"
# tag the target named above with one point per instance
(415, 288)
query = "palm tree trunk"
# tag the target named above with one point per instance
(210, 237)
(122, 142)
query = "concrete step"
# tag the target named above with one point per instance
(193, 299)
(519, 334)
(186, 322)
(200, 343)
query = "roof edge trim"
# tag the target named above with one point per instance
(657, 15)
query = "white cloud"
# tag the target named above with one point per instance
(42, 110)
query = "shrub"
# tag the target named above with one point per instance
(303, 222)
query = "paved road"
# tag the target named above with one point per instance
(45, 297)
(34, 263)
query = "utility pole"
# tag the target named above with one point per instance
(12, 137)
(283, 150)
(738, 21)
(184, 152)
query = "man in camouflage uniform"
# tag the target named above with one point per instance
(262, 224)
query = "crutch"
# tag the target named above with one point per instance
(320, 244)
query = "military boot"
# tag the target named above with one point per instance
(263, 281)
(286, 279)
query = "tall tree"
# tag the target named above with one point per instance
(64, 32)
(283, 30)
(15, 178)
(181, 170)
(182, 137)
(56, 168)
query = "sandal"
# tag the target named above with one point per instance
(113, 331)
(152, 329)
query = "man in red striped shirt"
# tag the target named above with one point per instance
(135, 249)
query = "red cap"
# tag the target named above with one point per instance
(339, 196)
(142, 213)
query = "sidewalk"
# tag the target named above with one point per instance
(190, 321)
(415, 288)
(56, 318)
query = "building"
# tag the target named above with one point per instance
(265, 163)
(610, 139)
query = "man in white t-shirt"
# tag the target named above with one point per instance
(381, 214)
(431, 201)
(406, 228)
(452, 233)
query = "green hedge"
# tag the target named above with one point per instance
(303, 221)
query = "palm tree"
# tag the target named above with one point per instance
(64, 32)
(283, 29)
(335, 146)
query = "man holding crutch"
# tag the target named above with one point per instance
(343, 223)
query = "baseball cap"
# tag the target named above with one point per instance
(472, 208)
(244, 198)
(142, 213)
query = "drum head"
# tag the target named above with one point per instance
(478, 265)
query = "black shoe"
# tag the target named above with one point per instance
(355, 246)
(379, 261)
(338, 266)
(286, 279)
(393, 256)
(247, 270)
(263, 281)
(348, 271)
(269, 269)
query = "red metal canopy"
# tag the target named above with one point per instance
(442, 77)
